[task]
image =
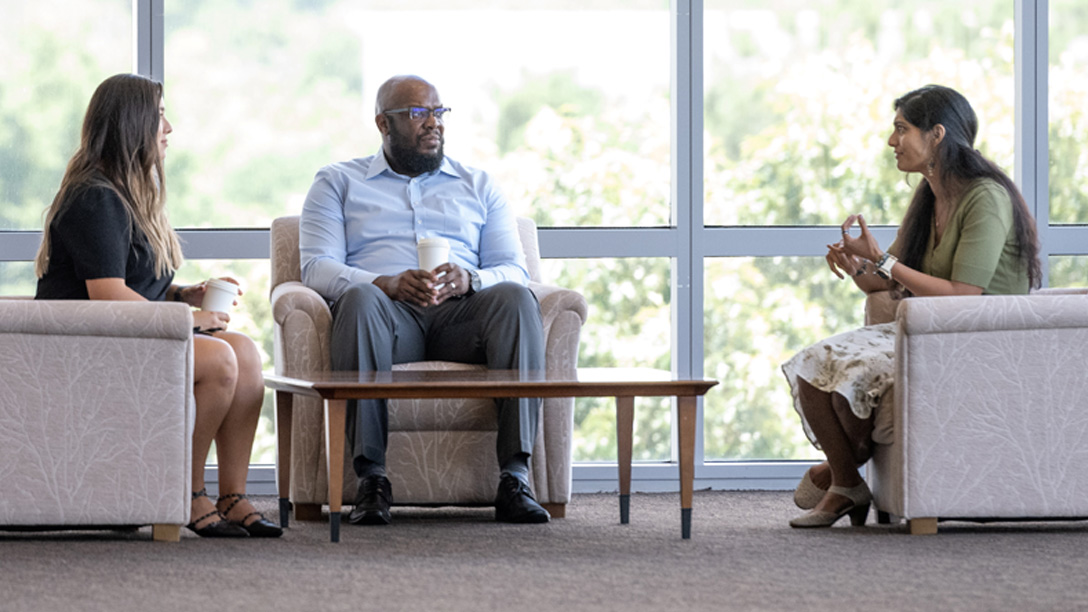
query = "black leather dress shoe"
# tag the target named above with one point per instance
(372, 503)
(515, 503)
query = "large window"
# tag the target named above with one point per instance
(799, 100)
(798, 110)
(628, 326)
(575, 131)
(1068, 110)
(576, 127)
(686, 161)
(55, 53)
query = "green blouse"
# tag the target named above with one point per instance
(979, 245)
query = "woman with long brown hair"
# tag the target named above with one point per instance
(967, 231)
(107, 237)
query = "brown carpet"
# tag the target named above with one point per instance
(742, 556)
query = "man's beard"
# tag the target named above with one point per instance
(405, 150)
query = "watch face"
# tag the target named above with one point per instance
(884, 270)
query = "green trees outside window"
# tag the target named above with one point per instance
(576, 128)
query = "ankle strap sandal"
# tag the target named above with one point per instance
(221, 528)
(259, 528)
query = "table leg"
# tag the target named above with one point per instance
(686, 408)
(335, 416)
(284, 408)
(625, 426)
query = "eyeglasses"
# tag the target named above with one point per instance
(419, 113)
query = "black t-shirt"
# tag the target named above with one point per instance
(94, 237)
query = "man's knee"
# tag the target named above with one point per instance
(360, 318)
(515, 298)
(360, 298)
(363, 306)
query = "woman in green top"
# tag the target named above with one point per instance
(967, 231)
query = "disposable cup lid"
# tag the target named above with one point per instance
(217, 283)
(433, 242)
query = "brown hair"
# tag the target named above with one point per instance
(119, 150)
(960, 163)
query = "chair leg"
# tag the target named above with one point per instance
(556, 510)
(166, 533)
(307, 512)
(923, 526)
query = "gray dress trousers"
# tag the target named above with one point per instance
(500, 327)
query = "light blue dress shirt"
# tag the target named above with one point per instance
(361, 220)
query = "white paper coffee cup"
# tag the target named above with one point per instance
(433, 252)
(219, 295)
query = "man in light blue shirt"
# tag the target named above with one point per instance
(357, 241)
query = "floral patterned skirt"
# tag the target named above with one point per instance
(858, 365)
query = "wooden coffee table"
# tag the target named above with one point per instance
(625, 384)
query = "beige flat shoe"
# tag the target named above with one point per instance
(860, 499)
(807, 494)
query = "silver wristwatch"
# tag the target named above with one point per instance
(884, 266)
(474, 281)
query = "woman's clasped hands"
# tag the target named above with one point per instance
(851, 254)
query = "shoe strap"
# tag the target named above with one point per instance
(859, 494)
(210, 514)
(237, 498)
(246, 517)
(201, 493)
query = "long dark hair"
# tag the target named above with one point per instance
(118, 149)
(960, 164)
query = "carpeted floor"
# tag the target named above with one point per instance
(742, 556)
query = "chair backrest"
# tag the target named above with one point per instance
(530, 246)
(285, 257)
(284, 251)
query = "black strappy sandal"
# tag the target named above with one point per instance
(218, 529)
(260, 528)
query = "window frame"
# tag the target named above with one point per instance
(687, 242)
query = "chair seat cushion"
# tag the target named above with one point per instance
(442, 414)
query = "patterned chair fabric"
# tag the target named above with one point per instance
(96, 413)
(988, 412)
(440, 451)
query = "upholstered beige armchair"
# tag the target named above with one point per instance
(96, 414)
(989, 418)
(440, 452)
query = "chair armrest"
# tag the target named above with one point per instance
(96, 413)
(563, 312)
(166, 320)
(987, 313)
(293, 297)
(303, 321)
(981, 383)
(557, 300)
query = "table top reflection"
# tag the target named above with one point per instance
(583, 382)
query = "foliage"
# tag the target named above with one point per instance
(45, 82)
(797, 112)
